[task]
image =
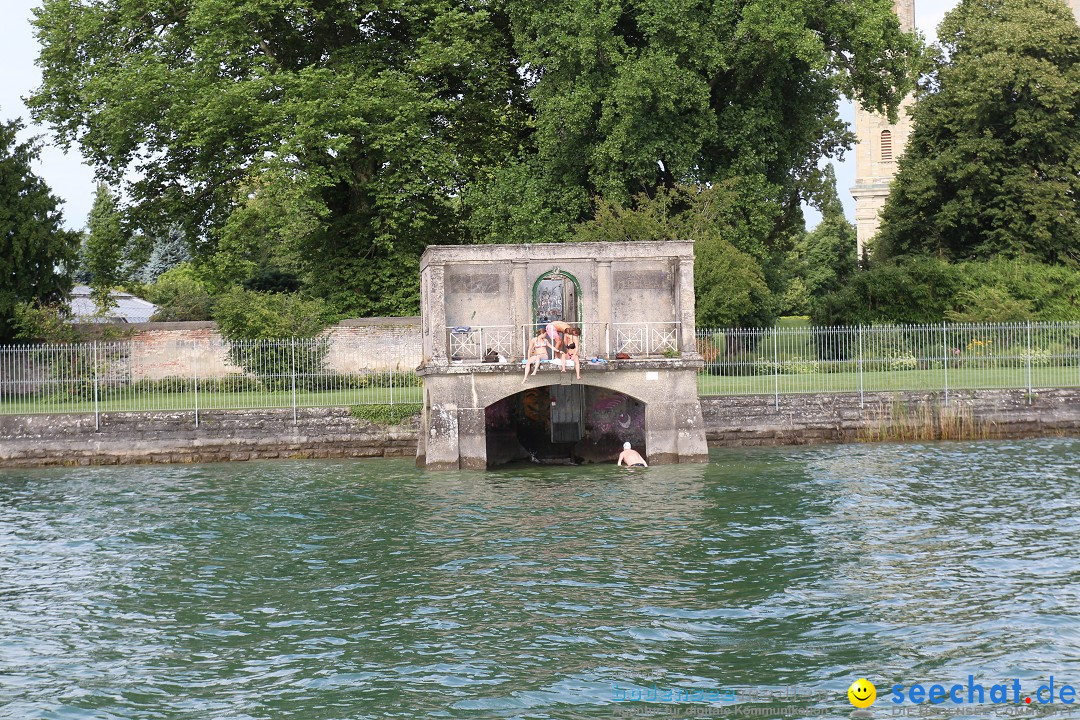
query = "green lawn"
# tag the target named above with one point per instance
(151, 401)
(958, 379)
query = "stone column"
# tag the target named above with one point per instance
(684, 303)
(520, 305)
(472, 439)
(660, 444)
(442, 450)
(603, 308)
(436, 311)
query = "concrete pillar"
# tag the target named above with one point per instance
(437, 292)
(603, 308)
(520, 305)
(684, 299)
(472, 438)
(442, 449)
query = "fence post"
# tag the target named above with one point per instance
(945, 358)
(1028, 362)
(776, 368)
(97, 415)
(860, 367)
(292, 364)
(195, 372)
(390, 362)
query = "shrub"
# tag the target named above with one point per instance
(791, 366)
(180, 296)
(929, 290)
(386, 414)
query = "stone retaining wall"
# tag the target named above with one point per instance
(827, 418)
(164, 437)
(332, 432)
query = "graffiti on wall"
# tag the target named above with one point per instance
(612, 418)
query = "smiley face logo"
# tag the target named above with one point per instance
(862, 693)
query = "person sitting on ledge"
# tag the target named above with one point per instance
(572, 350)
(632, 458)
(537, 353)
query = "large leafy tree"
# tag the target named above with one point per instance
(338, 138)
(37, 254)
(993, 164)
(364, 119)
(630, 97)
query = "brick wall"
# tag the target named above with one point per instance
(161, 350)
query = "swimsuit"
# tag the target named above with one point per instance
(639, 465)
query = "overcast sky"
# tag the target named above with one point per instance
(73, 181)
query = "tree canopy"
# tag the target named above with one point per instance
(337, 139)
(993, 163)
(37, 254)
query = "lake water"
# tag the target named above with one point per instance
(369, 589)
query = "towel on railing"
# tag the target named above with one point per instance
(461, 329)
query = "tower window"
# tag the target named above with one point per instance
(886, 146)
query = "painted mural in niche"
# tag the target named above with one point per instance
(549, 301)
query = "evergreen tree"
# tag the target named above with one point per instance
(993, 163)
(168, 250)
(105, 246)
(37, 255)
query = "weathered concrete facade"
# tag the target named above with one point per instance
(628, 299)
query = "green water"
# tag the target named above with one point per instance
(373, 590)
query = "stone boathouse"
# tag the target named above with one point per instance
(634, 305)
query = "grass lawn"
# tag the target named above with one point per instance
(151, 401)
(958, 379)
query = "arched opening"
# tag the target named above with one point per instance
(556, 296)
(886, 146)
(563, 424)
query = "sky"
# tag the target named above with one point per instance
(73, 181)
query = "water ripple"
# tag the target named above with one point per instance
(325, 590)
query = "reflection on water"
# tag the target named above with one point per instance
(373, 590)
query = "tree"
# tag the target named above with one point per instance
(105, 246)
(338, 139)
(168, 249)
(633, 97)
(37, 255)
(993, 163)
(370, 117)
(730, 280)
(823, 259)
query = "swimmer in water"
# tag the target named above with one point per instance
(632, 458)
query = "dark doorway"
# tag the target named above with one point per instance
(562, 424)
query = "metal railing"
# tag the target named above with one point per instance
(498, 343)
(480, 343)
(647, 338)
(942, 358)
(134, 376)
(212, 374)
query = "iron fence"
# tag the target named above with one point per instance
(943, 358)
(213, 374)
(140, 376)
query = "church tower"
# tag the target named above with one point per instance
(880, 143)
